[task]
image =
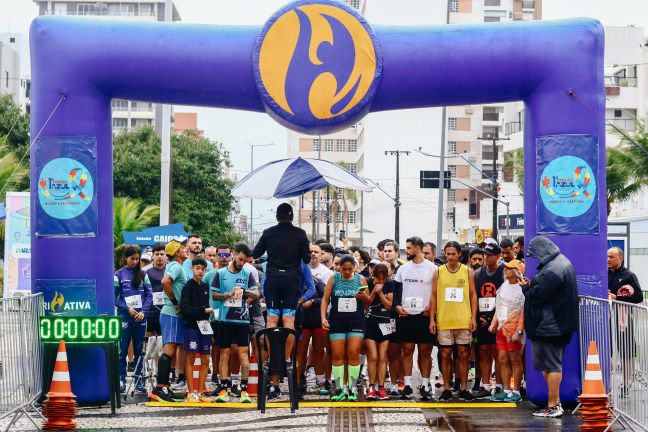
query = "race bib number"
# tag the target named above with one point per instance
(454, 295)
(204, 327)
(347, 305)
(158, 298)
(234, 302)
(487, 304)
(134, 301)
(502, 313)
(413, 305)
(386, 328)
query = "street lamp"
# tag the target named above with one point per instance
(251, 200)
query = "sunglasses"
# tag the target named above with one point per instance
(224, 254)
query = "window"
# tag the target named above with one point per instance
(146, 9)
(452, 147)
(340, 194)
(453, 170)
(618, 113)
(120, 105)
(452, 195)
(355, 3)
(317, 144)
(86, 9)
(328, 145)
(528, 4)
(491, 19)
(490, 132)
(12, 40)
(454, 6)
(353, 167)
(127, 9)
(452, 123)
(353, 145)
(351, 217)
(338, 217)
(527, 15)
(491, 114)
(119, 123)
(340, 145)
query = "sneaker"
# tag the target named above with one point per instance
(122, 386)
(203, 398)
(245, 397)
(321, 388)
(179, 386)
(394, 392)
(408, 393)
(141, 387)
(192, 398)
(382, 394)
(553, 412)
(223, 396)
(353, 395)
(327, 385)
(513, 397)
(274, 393)
(482, 393)
(465, 395)
(162, 394)
(425, 394)
(499, 397)
(401, 385)
(371, 393)
(446, 395)
(338, 395)
(214, 378)
(235, 391)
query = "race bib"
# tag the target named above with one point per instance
(487, 304)
(234, 302)
(347, 305)
(502, 313)
(454, 295)
(216, 314)
(158, 298)
(134, 301)
(204, 327)
(413, 305)
(386, 328)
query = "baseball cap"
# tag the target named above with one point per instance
(492, 249)
(515, 264)
(374, 261)
(284, 212)
(147, 257)
(173, 247)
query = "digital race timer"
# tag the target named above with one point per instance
(80, 329)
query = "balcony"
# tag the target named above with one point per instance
(629, 125)
(616, 81)
(512, 127)
(103, 13)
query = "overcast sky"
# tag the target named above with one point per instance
(235, 129)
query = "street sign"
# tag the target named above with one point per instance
(516, 221)
(431, 179)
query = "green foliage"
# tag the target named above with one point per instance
(14, 144)
(128, 217)
(514, 163)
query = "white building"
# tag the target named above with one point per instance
(14, 69)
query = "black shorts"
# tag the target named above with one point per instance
(374, 332)
(215, 325)
(282, 292)
(484, 337)
(233, 334)
(311, 319)
(414, 329)
(153, 322)
(341, 323)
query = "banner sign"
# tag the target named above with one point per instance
(566, 175)
(17, 262)
(516, 221)
(150, 236)
(67, 175)
(77, 297)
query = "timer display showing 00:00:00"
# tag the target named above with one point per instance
(80, 329)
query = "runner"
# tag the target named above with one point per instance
(231, 288)
(155, 275)
(328, 253)
(453, 314)
(319, 270)
(395, 350)
(508, 323)
(413, 312)
(391, 251)
(507, 250)
(346, 291)
(476, 258)
(222, 257)
(379, 330)
(194, 250)
(429, 251)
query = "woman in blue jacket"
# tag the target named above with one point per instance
(133, 298)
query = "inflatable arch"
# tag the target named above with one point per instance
(316, 66)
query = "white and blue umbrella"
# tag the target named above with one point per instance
(288, 178)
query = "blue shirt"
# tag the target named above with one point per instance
(125, 293)
(232, 310)
(179, 279)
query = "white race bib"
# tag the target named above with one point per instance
(413, 305)
(502, 313)
(347, 304)
(487, 304)
(204, 327)
(234, 302)
(454, 295)
(386, 328)
(134, 301)
(158, 298)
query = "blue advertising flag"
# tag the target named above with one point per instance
(66, 187)
(566, 175)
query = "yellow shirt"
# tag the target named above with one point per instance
(453, 299)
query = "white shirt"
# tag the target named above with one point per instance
(417, 285)
(321, 272)
(253, 271)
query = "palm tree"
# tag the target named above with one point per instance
(339, 201)
(129, 218)
(622, 176)
(514, 164)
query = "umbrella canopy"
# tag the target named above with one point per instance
(288, 178)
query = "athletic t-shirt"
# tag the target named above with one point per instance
(232, 310)
(376, 310)
(186, 265)
(175, 271)
(155, 276)
(453, 299)
(416, 280)
(486, 286)
(343, 301)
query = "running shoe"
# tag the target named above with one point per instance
(321, 388)
(465, 395)
(223, 396)
(192, 398)
(394, 392)
(382, 394)
(122, 386)
(235, 391)
(162, 394)
(482, 393)
(181, 385)
(499, 397)
(353, 395)
(338, 395)
(214, 378)
(408, 393)
(553, 412)
(425, 394)
(446, 395)
(141, 387)
(371, 393)
(327, 385)
(205, 398)
(274, 393)
(401, 385)
(245, 397)
(513, 397)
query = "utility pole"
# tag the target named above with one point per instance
(444, 121)
(251, 200)
(494, 139)
(165, 153)
(397, 203)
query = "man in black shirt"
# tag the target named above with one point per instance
(623, 284)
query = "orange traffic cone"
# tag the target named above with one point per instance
(595, 410)
(253, 377)
(60, 407)
(196, 373)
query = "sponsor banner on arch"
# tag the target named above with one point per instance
(17, 262)
(567, 167)
(77, 297)
(66, 202)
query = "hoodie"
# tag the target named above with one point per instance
(551, 300)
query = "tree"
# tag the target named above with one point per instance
(128, 217)
(514, 166)
(14, 146)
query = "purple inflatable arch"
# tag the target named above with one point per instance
(316, 66)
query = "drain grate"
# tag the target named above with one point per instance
(349, 420)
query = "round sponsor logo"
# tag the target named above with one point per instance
(568, 186)
(317, 64)
(65, 188)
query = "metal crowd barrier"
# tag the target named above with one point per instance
(594, 315)
(21, 358)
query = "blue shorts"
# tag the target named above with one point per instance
(194, 341)
(172, 329)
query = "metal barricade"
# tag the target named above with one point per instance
(21, 358)
(630, 364)
(594, 316)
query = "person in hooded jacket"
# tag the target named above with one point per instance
(550, 315)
